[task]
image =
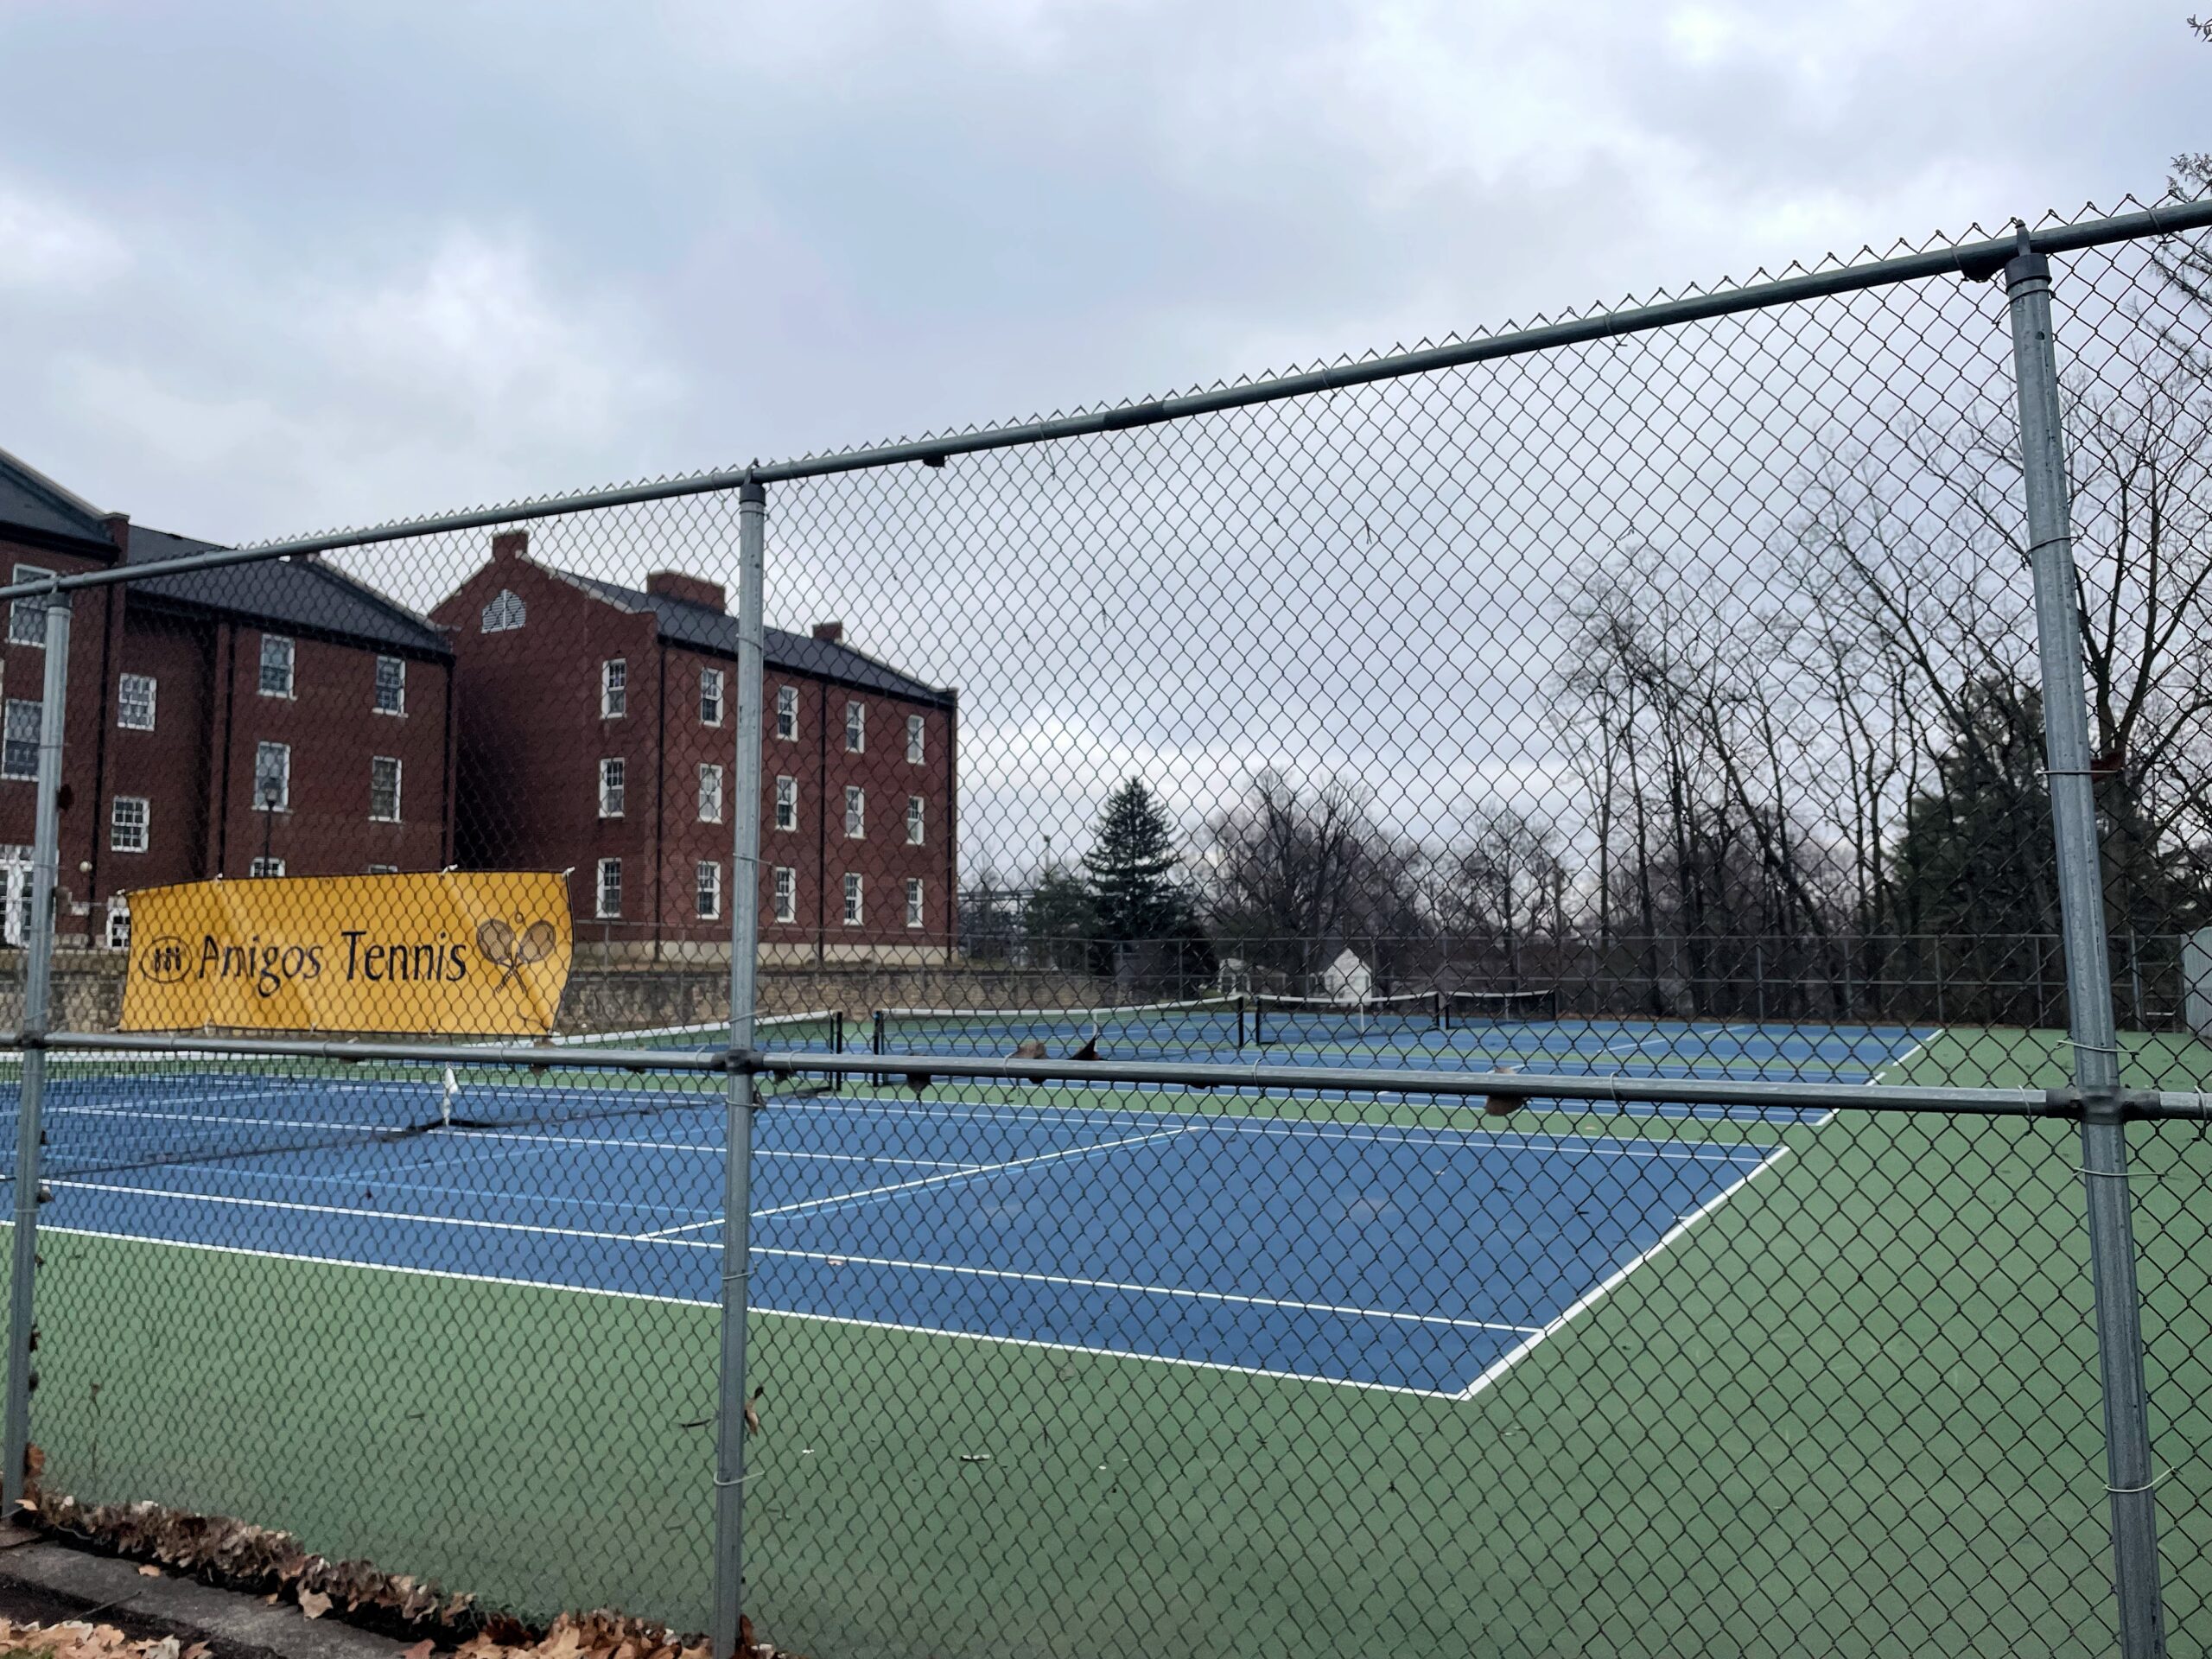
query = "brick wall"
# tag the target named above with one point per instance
(531, 735)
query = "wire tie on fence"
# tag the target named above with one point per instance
(744, 1479)
(2118, 1174)
(2138, 1492)
(2112, 1048)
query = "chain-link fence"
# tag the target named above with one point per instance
(1464, 1003)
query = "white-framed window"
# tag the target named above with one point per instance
(855, 812)
(384, 789)
(914, 900)
(855, 726)
(614, 689)
(710, 890)
(263, 868)
(787, 713)
(710, 695)
(915, 809)
(392, 686)
(611, 773)
(127, 824)
(914, 730)
(27, 617)
(276, 665)
(272, 778)
(786, 890)
(853, 898)
(610, 888)
(134, 703)
(786, 803)
(119, 923)
(506, 612)
(710, 794)
(19, 739)
(384, 869)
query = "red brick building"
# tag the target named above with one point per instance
(279, 718)
(597, 733)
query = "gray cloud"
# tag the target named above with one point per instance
(266, 269)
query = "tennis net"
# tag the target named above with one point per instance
(105, 1112)
(1214, 1025)
(821, 1029)
(1293, 1020)
(1500, 1007)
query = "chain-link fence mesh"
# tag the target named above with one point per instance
(1655, 714)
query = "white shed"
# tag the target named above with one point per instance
(1348, 980)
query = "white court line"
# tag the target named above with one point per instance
(371, 1180)
(296, 1208)
(1174, 1291)
(439, 1135)
(397, 1131)
(664, 1238)
(870, 1193)
(1034, 1343)
(1906, 1059)
(1506, 1363)
(225, 1097)
(1605, 1286)
(1597, 1146)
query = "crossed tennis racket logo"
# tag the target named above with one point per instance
(503, 947)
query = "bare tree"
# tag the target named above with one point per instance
(1293, 869)
(2189, 272)
(1506, 884)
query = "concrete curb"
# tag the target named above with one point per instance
(53, 1582)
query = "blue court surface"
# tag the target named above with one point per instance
(1421, 1259)
(1098, 1218)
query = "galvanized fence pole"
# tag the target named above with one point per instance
(2088, 967)
(737, 1178)
(38, 979)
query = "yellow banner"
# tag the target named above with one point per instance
(480, 953)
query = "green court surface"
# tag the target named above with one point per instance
(1852, 1410)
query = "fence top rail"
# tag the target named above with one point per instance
(1514, 1086)
(1975, 261)
(1500, 1085)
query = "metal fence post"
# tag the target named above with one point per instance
(2088, 967)
(737, 1177)
(38, 979)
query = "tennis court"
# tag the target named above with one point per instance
(1409, 1257)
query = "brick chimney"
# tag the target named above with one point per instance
(510, 543)
(832, 632)
(692, 590)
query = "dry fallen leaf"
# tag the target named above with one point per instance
(150, 1572)
(314, 1603)
(420, 1651)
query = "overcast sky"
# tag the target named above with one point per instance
(269, 267)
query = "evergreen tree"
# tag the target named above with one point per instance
(1131, 867)
(1977, 873)
(1141, 914)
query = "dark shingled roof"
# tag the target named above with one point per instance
(30, 500)
(707, 629)
(307, 595)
